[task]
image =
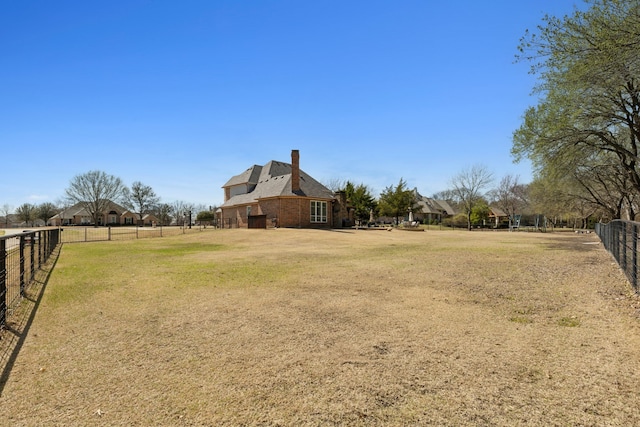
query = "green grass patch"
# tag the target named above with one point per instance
(569, 322)
(142, 268)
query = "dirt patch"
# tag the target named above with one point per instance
(303, 327)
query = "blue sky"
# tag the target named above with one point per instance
(182, 95)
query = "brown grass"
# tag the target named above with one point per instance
(303, 327)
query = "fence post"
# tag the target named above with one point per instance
(39, 234)
(3, 282)
(22, 269)
(44, 244)
(634, 255)
(623, 247)
(56, 238)
(33, 258)
(616, 242)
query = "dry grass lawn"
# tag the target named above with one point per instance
(302, 327)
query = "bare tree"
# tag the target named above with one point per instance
(6, 210)
(164, 212)
(141, 199)
(95, 191)
(45, 211)
(181, 211)
(335, 184)
(27, 213)
(467, 188)
(510, 196)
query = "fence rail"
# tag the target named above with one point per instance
(21, 255)
(620, 238)
(73, 234)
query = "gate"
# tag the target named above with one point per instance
(257, 221)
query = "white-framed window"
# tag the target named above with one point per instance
(318, 211)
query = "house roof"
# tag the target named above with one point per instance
(70, 212)
(432, 206)
(273, 180)
(446, 206)
(497, 212)
(250, 176)
(79, 210)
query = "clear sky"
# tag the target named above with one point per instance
(182, 95)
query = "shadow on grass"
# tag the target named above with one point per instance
(573, 243)
(19, 322)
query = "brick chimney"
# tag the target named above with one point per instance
(295, 171)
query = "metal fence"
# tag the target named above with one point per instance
(620, 238)
(73, 234)
(21, 255)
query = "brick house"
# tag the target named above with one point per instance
(114, 214)
(79, 215)
(277, 194)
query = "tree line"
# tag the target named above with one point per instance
(470, 193)
(583, 134)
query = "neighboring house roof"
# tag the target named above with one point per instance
(496, 212)
(273, 180)
(447, 207)
(429, 206)
(70, 212)
(433, 206)
(79, 210)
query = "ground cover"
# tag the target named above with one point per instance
(304, 327)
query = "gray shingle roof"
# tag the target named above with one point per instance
(432, 206)
(249, 176)
(274, 180)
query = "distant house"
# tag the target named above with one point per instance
(277, 194)
(497, 217)
(150, 220)
(78, 215)
(129, 218)
(132, 218)
(432, 210)
(114, 214)
(12, 220)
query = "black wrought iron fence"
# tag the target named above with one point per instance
(73, 234)
(21, 255)
(620, 238)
